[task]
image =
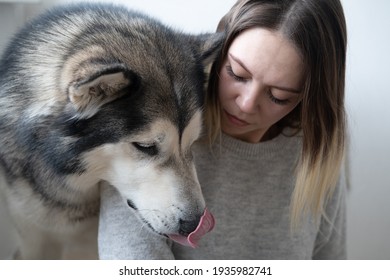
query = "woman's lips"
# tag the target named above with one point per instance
(236, 121)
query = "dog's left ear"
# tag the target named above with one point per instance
(209, 45)
(105, 84)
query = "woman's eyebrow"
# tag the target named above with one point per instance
(292, 90)
(238, 61)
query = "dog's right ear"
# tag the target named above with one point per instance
(98, 86)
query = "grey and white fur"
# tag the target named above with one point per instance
(95, 94)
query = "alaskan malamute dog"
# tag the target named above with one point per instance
(93, 94)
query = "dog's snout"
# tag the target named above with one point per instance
(188, 226)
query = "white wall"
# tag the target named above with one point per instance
(368, 103)
(368, 100)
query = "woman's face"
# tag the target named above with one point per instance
(261, 81)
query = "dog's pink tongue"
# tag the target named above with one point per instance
(205, 225)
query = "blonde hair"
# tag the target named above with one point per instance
(317, 28)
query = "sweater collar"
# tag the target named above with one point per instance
(280, 144)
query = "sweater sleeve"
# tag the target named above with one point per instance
(122, 235)
(331, 238)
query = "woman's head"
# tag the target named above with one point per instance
(316, 30)
(260, 82)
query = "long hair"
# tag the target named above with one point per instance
(317, 29)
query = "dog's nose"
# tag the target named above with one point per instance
(188, 226)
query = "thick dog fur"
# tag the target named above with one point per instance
(96, 94)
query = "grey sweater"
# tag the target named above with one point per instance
(248, 188)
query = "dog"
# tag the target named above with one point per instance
(95, 94)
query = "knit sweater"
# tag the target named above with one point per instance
(248, 189)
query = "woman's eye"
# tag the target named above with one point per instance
(146, 148)
(276, 100)
(230, 72)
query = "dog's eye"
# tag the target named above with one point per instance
(147, 148)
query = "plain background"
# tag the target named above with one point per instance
(367, 97)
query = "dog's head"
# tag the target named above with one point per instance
(134, 111)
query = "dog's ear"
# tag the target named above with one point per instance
(98, 87)
(209, 45)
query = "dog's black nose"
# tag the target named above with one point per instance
(188, 226)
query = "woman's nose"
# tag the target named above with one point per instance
(249, 100)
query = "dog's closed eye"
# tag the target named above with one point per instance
(146, 148)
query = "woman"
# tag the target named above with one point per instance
(270, 170)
